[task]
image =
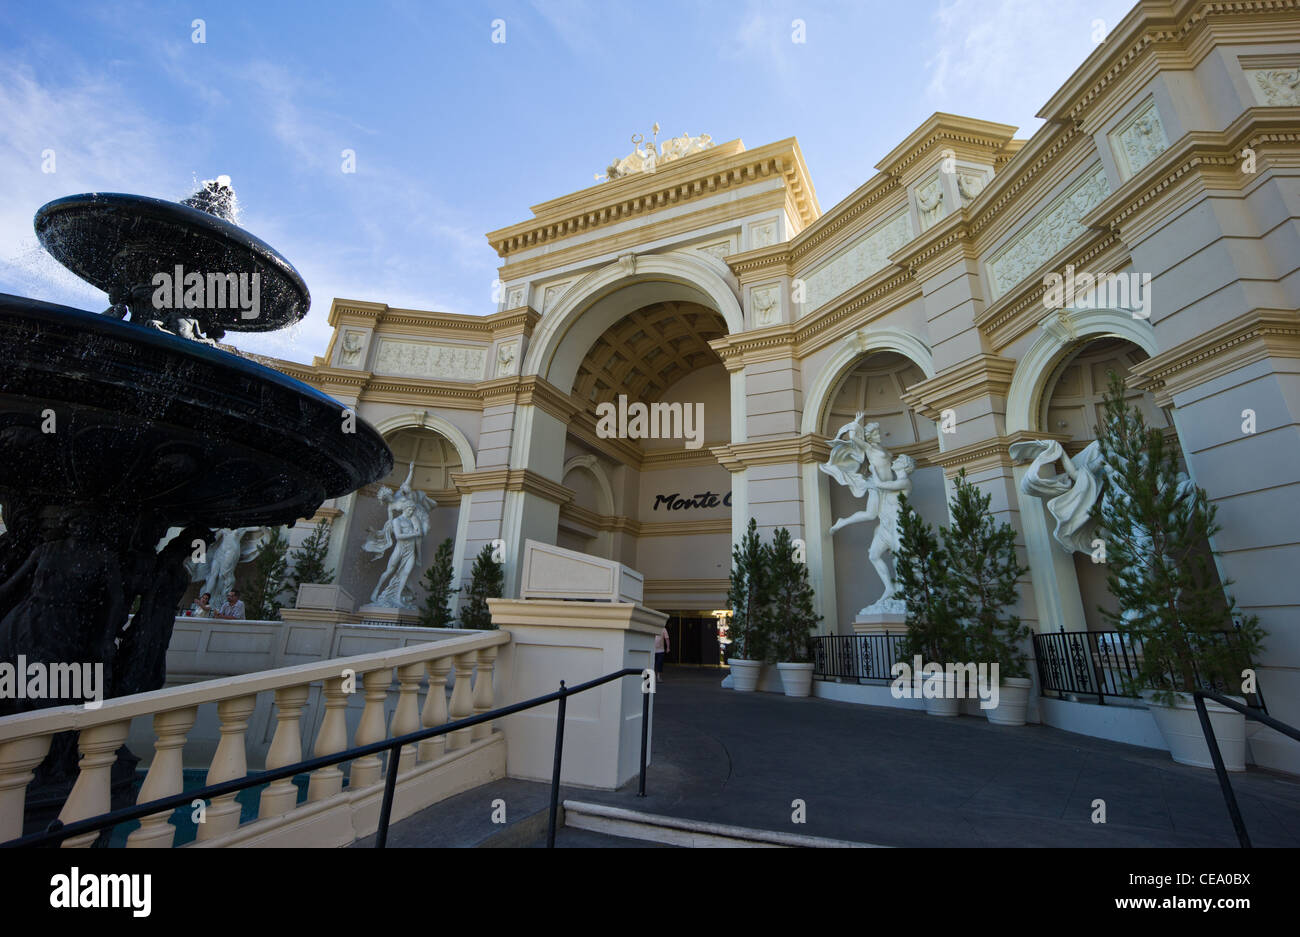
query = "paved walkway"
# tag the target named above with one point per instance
(902, 778)
(894, 777)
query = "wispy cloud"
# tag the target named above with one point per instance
(1002, 59)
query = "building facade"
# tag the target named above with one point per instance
(716, 281)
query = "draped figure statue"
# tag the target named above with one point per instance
(406, 526)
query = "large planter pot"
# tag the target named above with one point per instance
(948, 704)
(744, 674)
(1013, 702)
(1181, 728)
(796, 678)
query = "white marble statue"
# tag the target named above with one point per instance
(406, 526)
(1071, 495)
(230, 548)
(884, 483)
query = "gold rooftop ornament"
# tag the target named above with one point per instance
(645, 160)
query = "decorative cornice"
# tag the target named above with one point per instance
(964, 135)
(1250, 337)
(719, 169)
(986, 452)
(530, 389)
(525, 480)
(809, 447)
(984, 375)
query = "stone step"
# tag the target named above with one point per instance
(678, 831)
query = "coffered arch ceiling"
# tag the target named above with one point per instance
(647, 351)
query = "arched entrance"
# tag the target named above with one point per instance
(636, 330)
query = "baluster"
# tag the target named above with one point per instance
(281, 796)
(228, 764)
(330, 739)
(435, 708)
(483, 690)
(406, 718)
(91, 794)
(462, 704)
(369, 769)
(18, 762)
(165, 778)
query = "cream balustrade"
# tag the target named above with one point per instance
(332, 815)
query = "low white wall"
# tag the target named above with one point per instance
(1132, 725)
(210, 648)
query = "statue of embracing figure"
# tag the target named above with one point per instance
(883, 483)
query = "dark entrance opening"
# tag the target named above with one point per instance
(693, 639)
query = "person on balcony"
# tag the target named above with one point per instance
(202, 607)
(233, 607)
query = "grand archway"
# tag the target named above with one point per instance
(637, 330)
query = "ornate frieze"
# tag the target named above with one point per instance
(719, 250)
(1138, 140)
(765, 301)
(868, 255)
(507, 359)
(515, 298)
(352, 349)
(1054, 228)
(1275, 87)
(929, 201)
(429, 360)
(552, 295)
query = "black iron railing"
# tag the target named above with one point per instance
(855, 656)
(1230, 799)
(58, 831)
(1105, 664)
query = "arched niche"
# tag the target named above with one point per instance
(432, 451)
(873, 384)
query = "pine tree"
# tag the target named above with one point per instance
(486, 581)
(267, 584)
(932, 628)
(309, 560)
(436, 612)
(789, 612)
(748, 595)
(1157, 527)
(981, 581)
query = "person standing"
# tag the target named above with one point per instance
(661, 648)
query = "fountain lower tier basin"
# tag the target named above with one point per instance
(96, 411)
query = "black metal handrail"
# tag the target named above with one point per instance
(1199, 697)
(58, 831)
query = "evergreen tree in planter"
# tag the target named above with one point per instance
(486, 581)
(436, 611)
(790, 615)
(267, 585)
(981, 584)
(309, 560)
(748, 598)
(1157, 526)
(933, 631)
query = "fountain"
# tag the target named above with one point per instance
(115, 427)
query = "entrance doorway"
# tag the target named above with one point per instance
(692, 639)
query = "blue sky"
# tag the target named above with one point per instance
(455, 135)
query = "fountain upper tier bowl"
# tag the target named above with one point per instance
(120, 243)
(146, 421)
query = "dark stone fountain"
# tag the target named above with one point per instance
(115, 427)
